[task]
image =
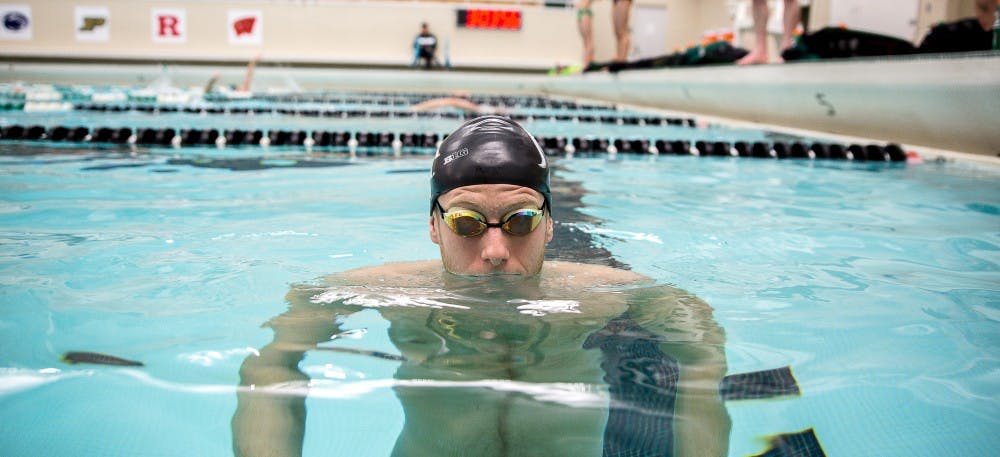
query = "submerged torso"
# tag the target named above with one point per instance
(510, 383)
(497, 366)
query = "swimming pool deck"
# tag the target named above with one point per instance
(944, 102)
(947, 103)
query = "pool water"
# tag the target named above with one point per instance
(178, 270)
(876, 283)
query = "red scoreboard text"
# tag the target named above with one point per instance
(489, 19)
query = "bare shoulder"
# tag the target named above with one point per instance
(429, 273)
(418, 273)
(395, 274)
(572, 274)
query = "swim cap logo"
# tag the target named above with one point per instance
(455, 156)
(541, 155)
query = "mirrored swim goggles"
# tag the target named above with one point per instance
(469, 223)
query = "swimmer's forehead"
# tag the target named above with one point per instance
(492, 196)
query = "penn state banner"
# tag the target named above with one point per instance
(17, 22)
(246, 27)
(92, 24)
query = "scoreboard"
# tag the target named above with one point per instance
(489, 19)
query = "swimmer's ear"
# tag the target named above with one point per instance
(435, 236)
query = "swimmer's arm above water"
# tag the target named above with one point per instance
(447, 102)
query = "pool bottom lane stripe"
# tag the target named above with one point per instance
(641, 378)
(777, 382)
(801, 444)
(642, 381)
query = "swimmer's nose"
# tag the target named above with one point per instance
(495, 250)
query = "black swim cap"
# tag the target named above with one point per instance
(490, 150)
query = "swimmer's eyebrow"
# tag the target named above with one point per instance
(463, 203)
(519, 203)
(526, 202)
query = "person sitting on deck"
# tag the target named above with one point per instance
(425, 45)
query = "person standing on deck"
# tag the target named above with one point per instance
(761, 13)
(620, 11)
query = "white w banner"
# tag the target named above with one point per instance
(246, 27)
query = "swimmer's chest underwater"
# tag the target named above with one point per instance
(521, 333)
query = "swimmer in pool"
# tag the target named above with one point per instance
(459, 100)
(243, 88)
(500, 352)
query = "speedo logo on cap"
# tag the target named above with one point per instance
(455, 156)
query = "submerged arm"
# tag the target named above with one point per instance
(693, 338)
(270, 415)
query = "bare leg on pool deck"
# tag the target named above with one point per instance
(759, 52)
(584, 17)
(985, 13)
(792, 16)
(623, 36)
(761, 12)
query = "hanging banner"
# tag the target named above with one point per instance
(169, 25)
(246, 27)
(17, 22)
(93, 24)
